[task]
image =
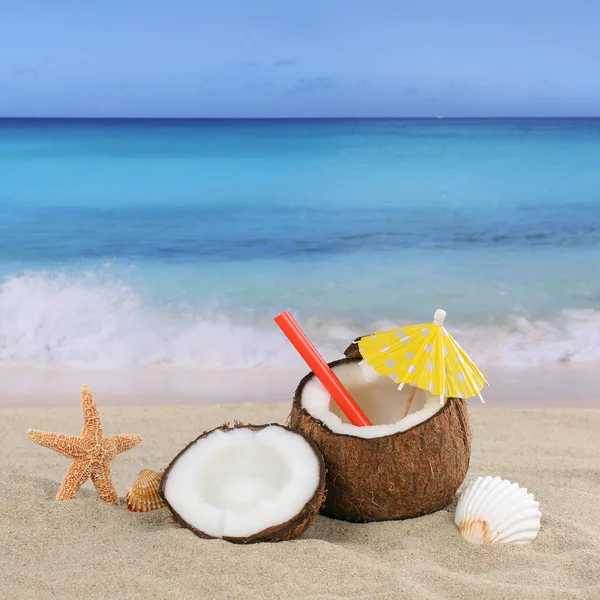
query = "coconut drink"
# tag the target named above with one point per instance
(414, 454)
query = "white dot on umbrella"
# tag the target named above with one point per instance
(410, 355)
(428, 347)
(399, 333)
(446, 391)
(431, 387)
(385, 348)
(445, 350)
(425, 332)
(405, 339)
(429, 366)
(460, 377)
(461, 360)
(393, 377)
(390, 363)
(444, 332)
(411, 369)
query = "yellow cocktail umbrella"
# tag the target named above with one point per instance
(425, 356)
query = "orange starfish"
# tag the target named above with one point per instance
(91, 452)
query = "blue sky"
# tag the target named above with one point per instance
(306, 58)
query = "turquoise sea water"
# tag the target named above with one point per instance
(136, 243)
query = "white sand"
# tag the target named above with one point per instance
(85, 549)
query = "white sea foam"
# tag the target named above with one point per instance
(88, 321)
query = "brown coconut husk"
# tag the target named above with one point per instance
(289, 530)
(352, 350)
(397, 476)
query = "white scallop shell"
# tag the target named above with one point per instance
(492, 510)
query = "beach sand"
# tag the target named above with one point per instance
(85, 548)
(559, 385)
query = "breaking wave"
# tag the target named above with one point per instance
(85, 320)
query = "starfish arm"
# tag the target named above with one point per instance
(92, 425)
(102, 478)
(79, 472)
(67, 445)
(121, 443)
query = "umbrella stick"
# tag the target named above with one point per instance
(408, 402)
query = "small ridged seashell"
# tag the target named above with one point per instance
(492, 510)
(143, 494)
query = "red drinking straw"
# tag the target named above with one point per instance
(321, 369)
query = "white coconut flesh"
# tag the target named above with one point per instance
(379, 398)
(240, 482)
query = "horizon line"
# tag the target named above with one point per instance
(341, 118)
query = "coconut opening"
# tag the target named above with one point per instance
(377, 396)
(239, 482)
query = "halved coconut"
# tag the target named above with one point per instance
(399, 467)
(246, 484)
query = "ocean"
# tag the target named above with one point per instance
(173, 243)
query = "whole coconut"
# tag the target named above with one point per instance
(396, 469)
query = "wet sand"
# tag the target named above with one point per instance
(561, 385)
